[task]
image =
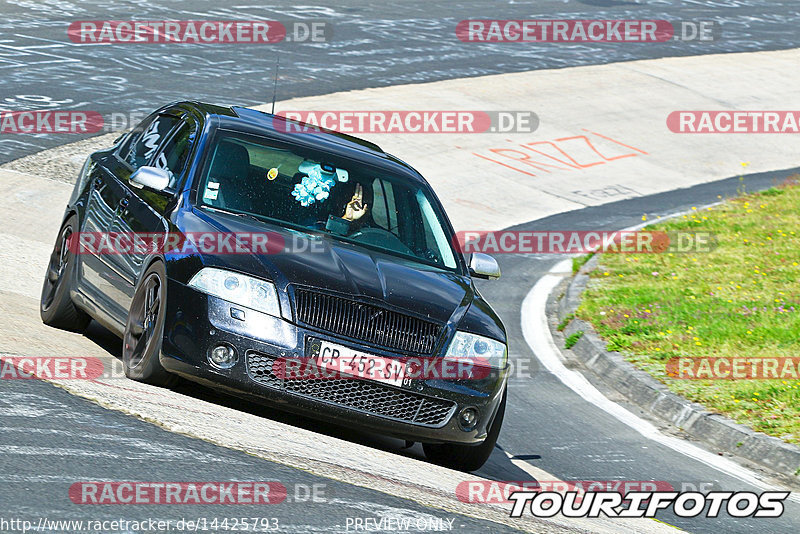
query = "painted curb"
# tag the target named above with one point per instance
(646, 392)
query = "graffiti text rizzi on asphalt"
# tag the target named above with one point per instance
(565, 153)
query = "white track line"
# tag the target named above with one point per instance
(536, 332)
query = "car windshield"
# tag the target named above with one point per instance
(302, 188)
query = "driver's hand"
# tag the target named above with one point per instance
(356, 208)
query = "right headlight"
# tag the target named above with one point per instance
(236, 288)
(466, 346)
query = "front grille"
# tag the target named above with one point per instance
(366, 322)
(362, 395)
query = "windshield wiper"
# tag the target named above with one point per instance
(238, 214)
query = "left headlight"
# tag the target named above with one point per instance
(240, 289)
(474, 347)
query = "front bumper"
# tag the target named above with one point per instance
(424, 410)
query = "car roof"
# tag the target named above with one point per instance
(249, 120)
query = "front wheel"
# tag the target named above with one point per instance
(144, 330)
(467, 457)
(55, 306)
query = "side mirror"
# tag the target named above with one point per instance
(151, 177)
(483, 266)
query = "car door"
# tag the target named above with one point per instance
(104, 278)
(144, 210)
(98, 279)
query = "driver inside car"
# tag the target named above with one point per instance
(354, 213)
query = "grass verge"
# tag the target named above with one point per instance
(740, 300)
(572, 339)
(580, 261)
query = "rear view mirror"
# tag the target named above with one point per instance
(483, 266)
(151, 177)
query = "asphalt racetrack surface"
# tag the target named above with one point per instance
(374, 44)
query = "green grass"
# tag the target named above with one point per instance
(572, 339)
(564, 322)
(580, 261)
(741, 299)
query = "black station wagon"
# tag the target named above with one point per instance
(349, 300)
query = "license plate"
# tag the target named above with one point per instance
(354, 363)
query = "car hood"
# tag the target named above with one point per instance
(331, 265)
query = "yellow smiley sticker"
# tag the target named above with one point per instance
(272, 173)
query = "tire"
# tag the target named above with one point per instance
(467, 457)
(55, 305)
(144, 329)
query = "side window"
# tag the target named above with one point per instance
(133, 137)
(430, 238)
(175, 154)
(384, 212)
(145, 140)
